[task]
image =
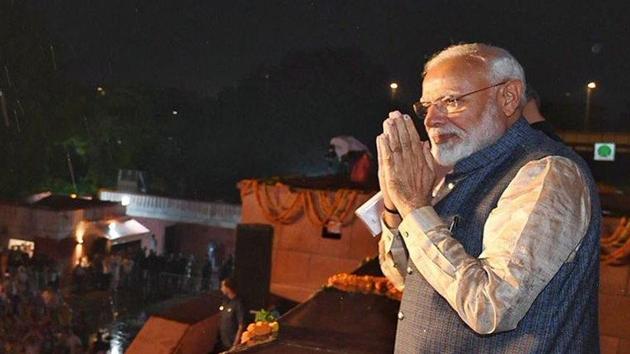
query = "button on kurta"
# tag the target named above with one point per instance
(401, 315)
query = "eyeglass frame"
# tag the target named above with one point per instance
(421, 108)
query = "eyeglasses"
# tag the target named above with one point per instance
(446, 104)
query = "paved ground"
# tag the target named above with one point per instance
(614, 309)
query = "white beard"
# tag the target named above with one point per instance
(485, 133)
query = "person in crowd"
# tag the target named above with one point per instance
(206, 274)
(531, 112)
(101, 345)
(189, 268)
(114, 269)
(5, 304)
(127, 265)
(22, 279)
(72, 342)
(232, 316)
(153, 244)
(33, 342)
(4, 262)
(501, 254)
(78, 277)
(98, 270)
(106, 274)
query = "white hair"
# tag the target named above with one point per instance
(500, 64)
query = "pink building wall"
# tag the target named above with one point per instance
(302, 260)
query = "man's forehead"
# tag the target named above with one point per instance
(453, 76)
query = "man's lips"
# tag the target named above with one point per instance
(443, 138)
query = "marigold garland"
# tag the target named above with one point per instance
(321, 212)
(247, 187)
(366, 284)
(274, 212)
(311, 211)
(315, 204)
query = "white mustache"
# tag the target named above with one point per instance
(447, 130)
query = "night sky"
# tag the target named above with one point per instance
(208, 45)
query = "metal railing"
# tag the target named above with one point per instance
(145, 205)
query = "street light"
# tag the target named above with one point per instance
(393, 86)
(589, 88)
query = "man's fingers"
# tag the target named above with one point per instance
(386, 149)
(414, 138)
(403, 134)
(393, 129)
(391, 132)
(426, 147)
(392, 160)
(384, 161)
(384, 154)
(412, 146)
(393, 153)
(380, 153)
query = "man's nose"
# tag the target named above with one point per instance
(434, 117)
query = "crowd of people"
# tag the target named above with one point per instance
(35, 317)
(170, 273)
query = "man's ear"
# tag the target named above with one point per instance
(510, 97)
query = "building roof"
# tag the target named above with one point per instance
(62, 202)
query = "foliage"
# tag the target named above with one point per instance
(277, 121)
(266, 316)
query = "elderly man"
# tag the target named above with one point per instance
(500, 255)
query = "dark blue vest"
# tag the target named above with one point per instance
(562, 319)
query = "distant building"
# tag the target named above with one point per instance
(55, 225)
(181, 225)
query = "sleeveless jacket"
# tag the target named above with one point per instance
(564, 316)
